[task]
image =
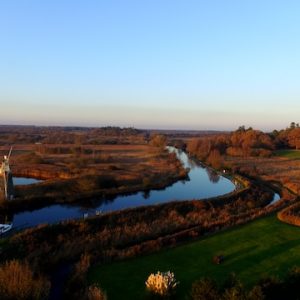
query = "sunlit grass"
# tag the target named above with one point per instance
(261, 248)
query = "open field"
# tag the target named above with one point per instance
(293, 154)
(263, 247)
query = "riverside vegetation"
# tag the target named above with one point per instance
(133, 232)
(74, 172)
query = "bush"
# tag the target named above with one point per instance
(161, 283)
(18, 282)
(94, 292)
(232, 289)
(205, 289)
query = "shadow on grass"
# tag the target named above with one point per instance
(248, 261)
(238, 254)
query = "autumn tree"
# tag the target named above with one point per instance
(94, 292)
(293, 138)
(158, 140)
(200, 147)
(215, 159)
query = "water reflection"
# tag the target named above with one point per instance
(213, 176)
(201, 183)
(6, 218)
(146, 194)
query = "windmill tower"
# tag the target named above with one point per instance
(6, 180)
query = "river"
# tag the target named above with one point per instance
(202, 183)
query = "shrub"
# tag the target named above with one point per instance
(205, 289)
(256, 294)
(94, 292)
(161, 283)
(18, 282)
(232, 289)
(236, 292)
(82, 266)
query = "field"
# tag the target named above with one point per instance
(293, 154)
(283, 168)
(263, 247)
(67, 160)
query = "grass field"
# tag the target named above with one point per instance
(263, 247)
(293, 154)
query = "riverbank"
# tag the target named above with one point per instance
(141, 168)
(201, 183)
(134, 232)
(71, 192)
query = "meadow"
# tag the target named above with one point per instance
(261, 248)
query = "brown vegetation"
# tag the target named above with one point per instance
(290, 215)
(284, 171)
(145, 229)
(113, 169)
(70, 135)
(246, 143)
(17, 281)
(78, 172)
(250, 153)
(133, 232)
(95, 293)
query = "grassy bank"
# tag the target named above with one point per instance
(292, 154)
(261, 248)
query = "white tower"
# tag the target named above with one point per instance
(6, 175)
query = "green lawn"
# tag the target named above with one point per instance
(264, 247)
(293, 154)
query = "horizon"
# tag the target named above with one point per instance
(147, 128)
(170, 65)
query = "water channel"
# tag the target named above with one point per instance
(202, 183)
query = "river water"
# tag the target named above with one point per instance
(202, 183)
(24, 180)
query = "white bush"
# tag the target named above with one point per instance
(161, 283)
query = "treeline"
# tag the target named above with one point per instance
(243, 142)
(70, 135)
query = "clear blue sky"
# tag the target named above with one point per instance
(150, 63)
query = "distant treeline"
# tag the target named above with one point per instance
(70, 135)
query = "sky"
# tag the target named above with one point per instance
(169, 64)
